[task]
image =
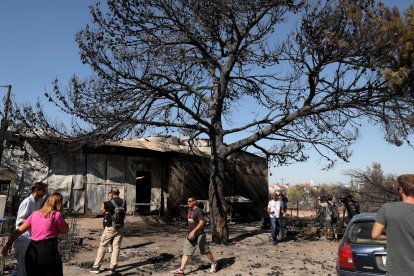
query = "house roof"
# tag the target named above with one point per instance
(277, 187)
(162, 144)
(6, 175)
(171, 144)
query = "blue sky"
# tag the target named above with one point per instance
(37, 44)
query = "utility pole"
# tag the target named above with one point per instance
(4, 123)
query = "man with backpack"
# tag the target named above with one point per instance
(331, 216)
(116, 208)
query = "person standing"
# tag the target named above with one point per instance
(107, 218)
(30, 204)
(273, 209)
(397, 220)
(196, 237)
(331, 216)
(42, 255)
(282, 217)
(116, 207)
(352, 207)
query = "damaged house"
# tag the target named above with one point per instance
(154, 173)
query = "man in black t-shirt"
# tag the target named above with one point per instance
(196, 237)
(110, 233)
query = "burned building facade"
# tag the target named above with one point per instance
(157, 173)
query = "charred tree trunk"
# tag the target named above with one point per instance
(218, 215)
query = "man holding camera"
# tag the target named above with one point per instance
(273, 209)
(331, 216)
(351, 206)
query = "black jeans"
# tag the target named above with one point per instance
(43, 258)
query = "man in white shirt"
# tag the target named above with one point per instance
(26, 208)
(273, 209)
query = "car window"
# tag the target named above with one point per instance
(360, 233)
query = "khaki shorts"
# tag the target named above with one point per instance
(190, 248)
(330, 224)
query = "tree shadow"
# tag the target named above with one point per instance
(226, 262)
(137, 245)
(221, 264)
(247, 235)
(162, 258)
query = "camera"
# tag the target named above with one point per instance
(323, 198)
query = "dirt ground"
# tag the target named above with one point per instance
(151, 247)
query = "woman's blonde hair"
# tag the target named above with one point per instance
(53, 203)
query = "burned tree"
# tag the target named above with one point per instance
(400, 71)
(372, 188)
(227, 70)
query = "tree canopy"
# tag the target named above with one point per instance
(184, 67)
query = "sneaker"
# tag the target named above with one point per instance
(95, 270)
(178, 271)
(213, 268)
(274, 242)
(113, 271)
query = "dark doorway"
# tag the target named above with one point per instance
(4, 187)
(143, 189)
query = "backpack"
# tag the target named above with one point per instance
(353, 208)
(107, 221)
(119, 214)
(333, 211)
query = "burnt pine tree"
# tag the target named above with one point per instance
(373, 188)
(231, 71)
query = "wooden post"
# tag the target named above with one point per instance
(297, 208)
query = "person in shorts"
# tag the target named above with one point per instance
(331, 216)
(196, 237)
